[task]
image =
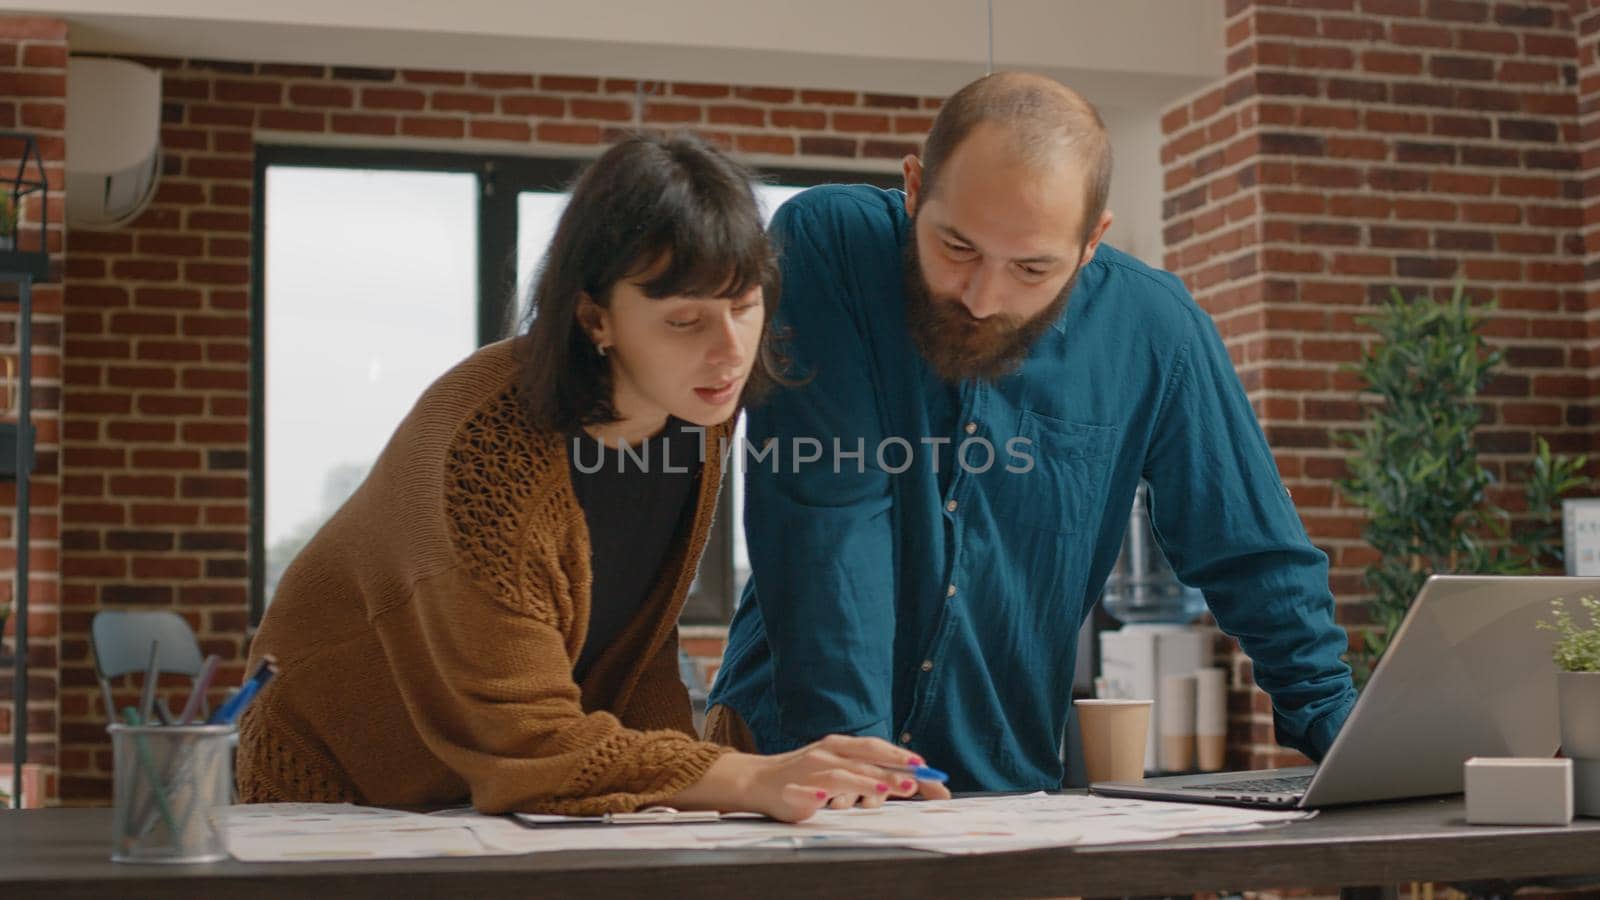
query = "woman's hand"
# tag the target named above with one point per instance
(839, 771)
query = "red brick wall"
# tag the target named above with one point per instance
(1360, 144)
(157, 331)
(33, 59)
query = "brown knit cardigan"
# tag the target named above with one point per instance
(426, 635)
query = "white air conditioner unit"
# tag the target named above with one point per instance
(113, 140)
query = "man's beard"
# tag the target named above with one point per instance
(958, 346)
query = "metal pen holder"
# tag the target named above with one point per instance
(167, 780)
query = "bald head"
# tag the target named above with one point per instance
(1045, 124)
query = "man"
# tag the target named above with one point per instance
(904, 589)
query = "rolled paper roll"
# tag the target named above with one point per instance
(1211, 718)
(1175, 706)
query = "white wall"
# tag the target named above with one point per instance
(1136, 181)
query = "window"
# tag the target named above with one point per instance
(375, 272)
(371, 292)
(537, 215)
(772, 196)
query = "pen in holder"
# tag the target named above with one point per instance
(167, 779)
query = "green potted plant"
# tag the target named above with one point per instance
(1414, 469)
(1577, 656)
(9, 215)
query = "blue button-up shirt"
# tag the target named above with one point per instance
(923, 554)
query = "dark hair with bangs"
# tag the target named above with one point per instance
(646, 197)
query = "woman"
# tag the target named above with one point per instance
(492, 616)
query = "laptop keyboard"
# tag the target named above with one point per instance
(1292, 784)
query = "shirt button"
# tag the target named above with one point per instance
(927, 665)
(950, 591)
(905, 737)
(972, 428)
(950, 507)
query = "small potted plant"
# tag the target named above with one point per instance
(9, 214)
(1577, 656)
(1415, 471)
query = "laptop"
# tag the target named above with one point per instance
(1467, 674)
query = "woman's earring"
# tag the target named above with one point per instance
(600, 349)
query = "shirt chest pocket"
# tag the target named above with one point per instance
(1057, 475)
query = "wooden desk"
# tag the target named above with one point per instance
(59, 854)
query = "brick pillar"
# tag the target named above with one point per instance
(33, 94)
(1355, 145)
(1586, 25)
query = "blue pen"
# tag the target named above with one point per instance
(921, 773)
(229, 712)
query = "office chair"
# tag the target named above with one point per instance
(121, 642)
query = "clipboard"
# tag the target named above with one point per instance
(651, 815)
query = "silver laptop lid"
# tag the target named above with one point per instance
(1468, 673)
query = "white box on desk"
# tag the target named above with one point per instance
(1580, 532)
(1134, 659)
(1518, 791)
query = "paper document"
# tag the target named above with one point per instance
(286, 832)
(654, 815)
(962, 826)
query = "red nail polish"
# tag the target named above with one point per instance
(914, 761)
(822, 795)
(883, 788)
(907, 785)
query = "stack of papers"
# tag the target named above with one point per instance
(288, 831)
